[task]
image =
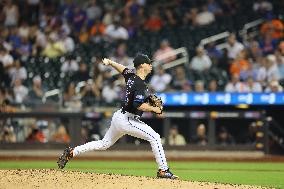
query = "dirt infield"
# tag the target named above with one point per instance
(49, 178)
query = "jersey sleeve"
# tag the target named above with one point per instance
(127, 73)
(139, 97)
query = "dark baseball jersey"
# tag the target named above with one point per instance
(136, 92)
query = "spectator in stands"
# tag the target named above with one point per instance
(35, 135)
(262, 6)
(199, 86)
(273, 28)
(108, 16)
(20, 91)
(241, 66)
(65, 28)
(213, 52)
(201, 137)
(90, 93)
(267, 44)
(13, 39)
(224, 137)
(79, 19)
(154, 22)
(4, 77)
(281, 47)
(71, 99)
(181, 82)
(18, 72)
(170, 18)
(121, 55)
(162, 51)
(69, 44)
(25, 49)
(84, 35)
(224, 62)
(212, 86)
(274, 87)
(37, 91)
(93, 12)
(70, 65)
(230, 7)
(254, 51)
(54, 47)
(280, 64)
(24, 30)
(110, 92)
(269, 71)
(129, 26)
(96, 71)
(98, 31)
(252, 86)
(214, 7)
(2, 95)
(5, 58)
(5, 106)
(67, 9)
(250, 136)
(189, 17)
(233, 46)
(160, 80)
(235, 85)
(116, 31)
(257, 64)
(201, 62)
(204, 17)
(6, 96)
(40, 41)
(4, 34)
(61, 135)
(131, 8)
(8, 135)
(33, 10)
(82, 74)
(11, 14)
(175, 138)
(70, 92)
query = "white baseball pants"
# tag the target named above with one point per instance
(127, 123)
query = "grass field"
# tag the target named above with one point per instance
(263, 174)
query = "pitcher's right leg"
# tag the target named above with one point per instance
(111, 136)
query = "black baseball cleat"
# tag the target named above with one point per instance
(166, 174)
(65, 157)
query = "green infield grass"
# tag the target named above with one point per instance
(262, 174)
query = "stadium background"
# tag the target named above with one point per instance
(54, 92)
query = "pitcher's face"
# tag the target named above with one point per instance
(147, 68)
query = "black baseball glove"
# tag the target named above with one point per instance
(156, 101)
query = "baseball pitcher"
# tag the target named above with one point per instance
(127, 119)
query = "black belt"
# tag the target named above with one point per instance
(131, 114)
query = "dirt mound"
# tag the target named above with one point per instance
(49, 178)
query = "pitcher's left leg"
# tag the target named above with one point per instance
(141, 130)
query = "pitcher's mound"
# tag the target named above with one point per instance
(49, 178)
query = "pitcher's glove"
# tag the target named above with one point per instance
(156, 102)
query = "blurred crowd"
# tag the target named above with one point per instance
(56, 131)
(57, 31)
(33, 130)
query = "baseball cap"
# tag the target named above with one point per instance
(141, 59)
